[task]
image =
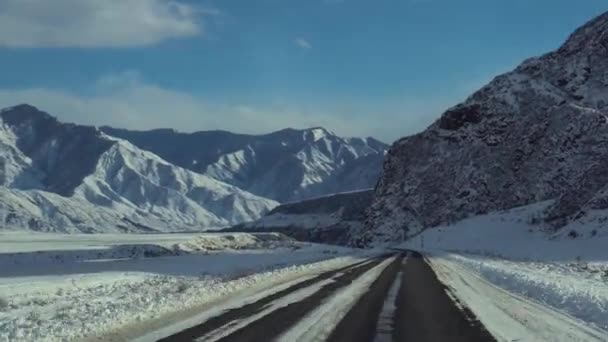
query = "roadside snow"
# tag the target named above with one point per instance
(90, 286)
(575, 291)
(507, 316)
(510, 234)
(565, 271)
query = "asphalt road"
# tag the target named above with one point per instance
(405, 302)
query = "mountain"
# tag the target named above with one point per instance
(70, 178)
(286, 165)
(328, 219)
(539, 132)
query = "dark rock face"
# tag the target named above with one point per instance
(286, 165)
(537, 133)
(457, 117)
(351, 205)
(346, 212)
(65, 153)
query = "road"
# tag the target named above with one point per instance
(394, 297)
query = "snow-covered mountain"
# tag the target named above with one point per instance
(286, 165)
(537, 133)
(327, 219)
(70, 178)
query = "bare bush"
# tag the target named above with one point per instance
(182, 287)
(4, 304)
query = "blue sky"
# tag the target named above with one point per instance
(385, 68)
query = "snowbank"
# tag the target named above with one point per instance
(96, 286)
(579, 292)
(507, 315)
(566, 270)
(512, 234)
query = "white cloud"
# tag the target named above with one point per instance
(95, 23)
(126, 100)
(303, 43)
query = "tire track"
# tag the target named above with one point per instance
(420, 308)
(236, 314)
(271, 326)
(360, 323)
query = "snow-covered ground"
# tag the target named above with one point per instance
(557, 284)
(512, 315)
(56, 287)
(23, 241)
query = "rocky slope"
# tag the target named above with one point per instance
(287, 165)
(537, 133)
(327, 219)
(71, 178)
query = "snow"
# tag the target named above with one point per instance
(319, 323)
(562, 278)
(507, 316)
(318, 133)
(245, 297)
(386, 321)
(20, 241)
(15, 166)
(94, 285)
(147, 182)
(231, 165)
(513, 235)
(575, 291)
(116, 188)
(293, 165)
(317, 165)
(282, 302)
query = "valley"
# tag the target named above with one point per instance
(487, 223)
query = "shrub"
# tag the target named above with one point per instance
(581, 263)
(4, 304)
(182, 287)
(34, 316)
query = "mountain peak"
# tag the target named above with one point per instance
(592, 36)
(24, 112)
(316, 133)
(531, 135)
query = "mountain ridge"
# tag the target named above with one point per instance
(72, 178)
(533, 134)
(329, 219)
(286, 165)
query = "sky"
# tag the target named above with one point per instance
(381, 68)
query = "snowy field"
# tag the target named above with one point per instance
(556, 285)
(71, 287)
